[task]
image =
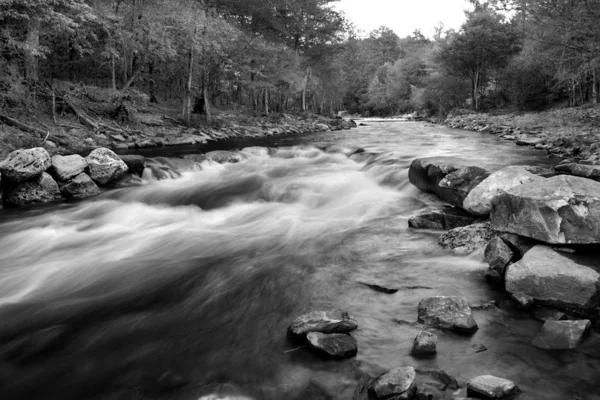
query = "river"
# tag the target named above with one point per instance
(184, 288)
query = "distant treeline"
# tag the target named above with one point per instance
(302, 55)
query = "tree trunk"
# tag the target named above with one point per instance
(33, 44)
(113, 73)
(267, 102)
(206, 100)
(594, 87)
(187, 98)
(474, 87)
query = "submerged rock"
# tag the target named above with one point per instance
(562, 335)
(67, 167)
(332, 321)
(558, 210)
(479, 200)
(80, 187)
(456, 186)
(135, 163)
(447, 312)
(334, 345)
(380, 288)
(498, 255)
(467, 239)
(425, 344)
(441, 219)
(398, 384)
(224, 157)
(24, 165)
(441, 377)
(552, 278)
(105, 165)
(42, 189)
(491, 387)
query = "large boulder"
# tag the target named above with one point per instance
(557, 210)
(42, 189)
(456, 186)
(582, 170)
(135, 163)
(331, 321)
(67, 167)
(441, 219)
(491, 387)
(467, 239)
(479, 200)
(80, 187)
(397, 384)
(547, 277)
(498, 255)
(447, 312)
(427, 173)
(562, 335)
(23, 165)
(105, 165)
(334, 345)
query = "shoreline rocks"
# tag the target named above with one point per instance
(399, 383)
(333, 345)
(447, 312)
(492, 387)
(331, 321)
(562, 335)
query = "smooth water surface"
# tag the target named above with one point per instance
(184, 288)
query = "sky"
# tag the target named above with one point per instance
(404, 16)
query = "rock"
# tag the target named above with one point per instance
(23, 165)
(456, 186)
(396, 384)
(380, 288)
(551, 278)
(558, 210)
(42, 189)
(498, 255)
(467, 239)
(427, 173)
(524, 140)
(80, 187)
(257, 151)
(425, 344)
(223, 157)
(545, 314)
(491, 387)
(135, 163)
(441, 219)
(67, 167)
(332, 321)
(518, 244)
(447, 312)
(562, 335)
(443, 377)
(105, 165)
(334, 345)
(479, 200)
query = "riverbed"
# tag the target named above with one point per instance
(184, 288)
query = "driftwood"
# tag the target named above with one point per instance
(21, 126)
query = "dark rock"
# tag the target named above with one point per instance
(334, 345)
(362, 387)
(441, 219)
(446, 380)
(476, 348)
(545, 314)
(518, 244)
(562, 335)
(105, 165)
(447, 312)
(498, 255)
(380, 288)
(42, 189)
(494, 278)
(80, 187)
(467, 239)
(425, 344)
(312, 391)
(67, 167)
(491, 387)
(24, 165)
(396, 384)
(558, 210)
(551, 278)
(456, 186)
(479, 200)
(135, 163)
(332, 321)
(427, 173)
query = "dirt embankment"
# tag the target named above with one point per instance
(77, 122)
(572, 134)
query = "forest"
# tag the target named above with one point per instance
(278, 56)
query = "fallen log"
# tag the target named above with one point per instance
(24, 127)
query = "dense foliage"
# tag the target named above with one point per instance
(281, 55)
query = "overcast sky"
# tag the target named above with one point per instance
(404, 16)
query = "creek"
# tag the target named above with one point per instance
(184, 287)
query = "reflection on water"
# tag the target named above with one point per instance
(183, 287)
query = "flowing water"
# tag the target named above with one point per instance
(183, 288)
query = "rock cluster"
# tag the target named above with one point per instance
(31, 176)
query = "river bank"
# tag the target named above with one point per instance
(572, 134)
